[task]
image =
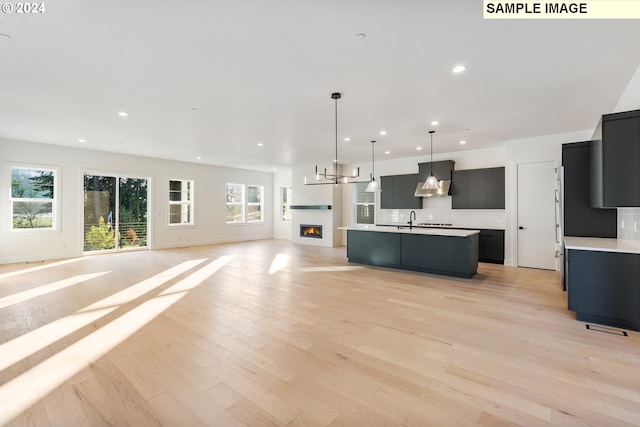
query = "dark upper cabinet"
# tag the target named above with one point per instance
(615, 161)
(478, 189)
(495, 188)
(580, 218)
(397, 192)
(459, 189)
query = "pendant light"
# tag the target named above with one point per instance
(334, 178)
(432, 181)
(373, 185)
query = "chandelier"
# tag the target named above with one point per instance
(334, 178)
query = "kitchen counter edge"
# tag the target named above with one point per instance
(453, 232)
(602, 244)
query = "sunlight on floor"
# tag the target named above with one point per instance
(21, 347)
(279, 262)
(40, 267)
(45, 289)
(23, 391)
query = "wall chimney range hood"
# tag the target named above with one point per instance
(442, 170)
(442, 189)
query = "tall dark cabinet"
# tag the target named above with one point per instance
(615, 168)
(580, 218)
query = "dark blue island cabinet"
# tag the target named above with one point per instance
(447, 252)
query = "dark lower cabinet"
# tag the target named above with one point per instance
(491, 246)
(438, 254)
(447, 255)
(378, 248)
(604, 287)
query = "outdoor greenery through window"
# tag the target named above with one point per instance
(254, 203)
(33, 203)
(235, 203)
(115, 212)
(180, 202)
(365, 204)
(285, 197)
(245, 209)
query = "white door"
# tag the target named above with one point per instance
(537, 215)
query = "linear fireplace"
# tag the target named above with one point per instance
(314, 231)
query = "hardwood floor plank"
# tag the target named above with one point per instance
(319, 343)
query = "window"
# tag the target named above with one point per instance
(285, 198)
(242, 209)
(235, 203)
(365, 204)
(33, 198)
(180, 202)
(254, 203)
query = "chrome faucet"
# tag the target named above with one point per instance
(412, 216)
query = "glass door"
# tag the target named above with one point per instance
(115, 213)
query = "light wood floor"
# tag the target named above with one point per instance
(224, 336)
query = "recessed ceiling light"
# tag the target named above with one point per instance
(275, 169)
(463, 142)
(435, 123)
(383, 132)
(459, 68)
(260, 144)
(122, 114)
(418, 148)
(387, 152)
(347, 139)
(82, 140)
(198, 157)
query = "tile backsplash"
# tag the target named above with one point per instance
(629, 223)
(438, 210)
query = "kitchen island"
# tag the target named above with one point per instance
(451, 252)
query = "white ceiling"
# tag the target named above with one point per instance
(214, 78)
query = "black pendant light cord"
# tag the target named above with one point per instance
(373, 161)
(335, 162)
(431, 132)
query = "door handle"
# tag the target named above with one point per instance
(522, 228)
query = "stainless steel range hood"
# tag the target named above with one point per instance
(441, 191)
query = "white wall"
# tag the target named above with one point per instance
(209, 201)
(316, 195)
(281, 229)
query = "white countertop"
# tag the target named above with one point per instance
(604, 245)
(454, 232)
(458, 226)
